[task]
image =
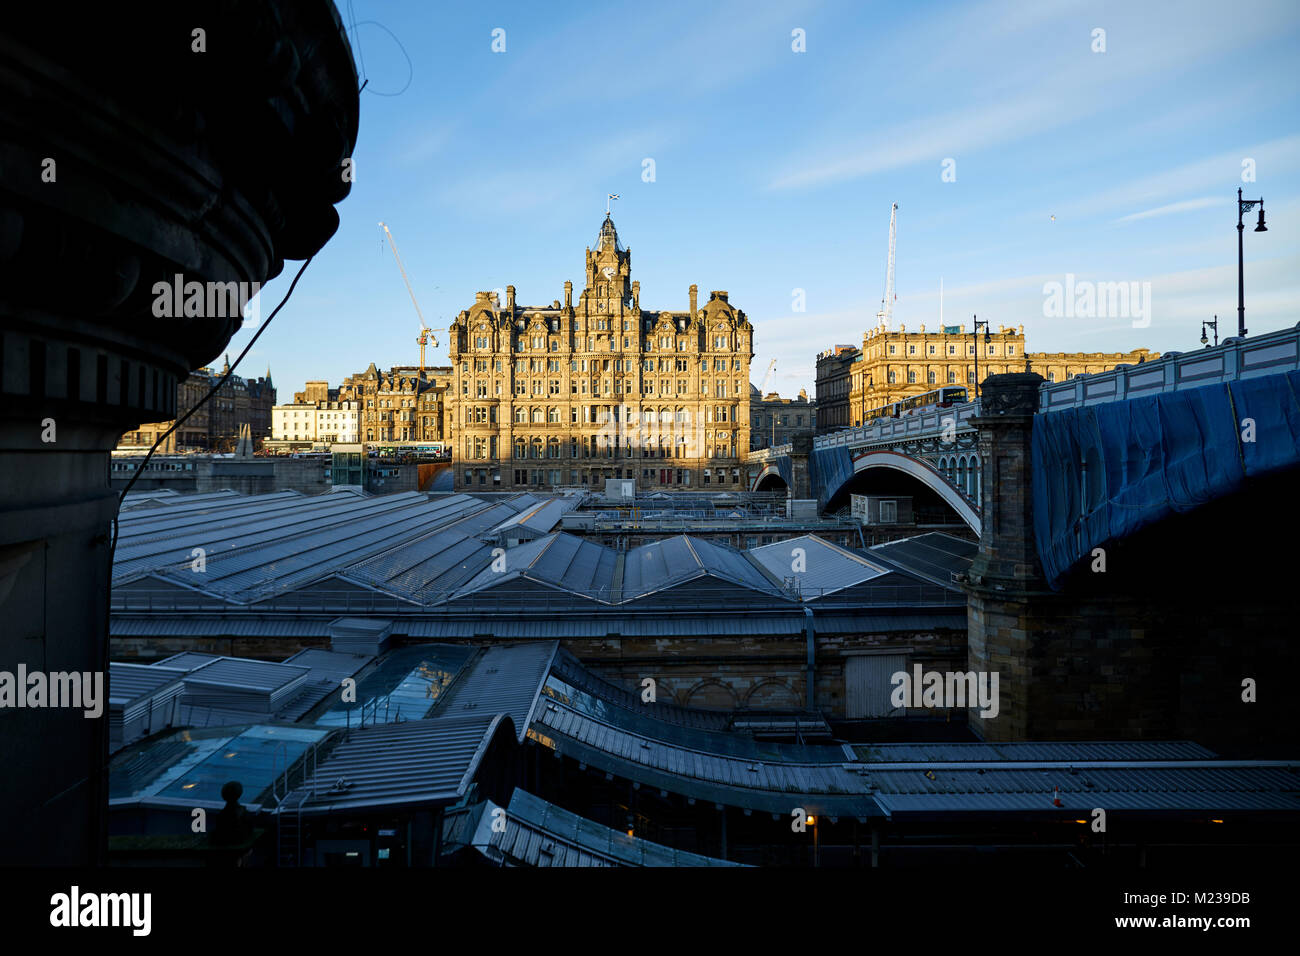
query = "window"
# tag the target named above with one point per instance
(891, 350)
(889, 512)
(911, 377)
(932, 378)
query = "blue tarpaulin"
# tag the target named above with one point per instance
(1102, 472)
(786, 470)
(828, 470)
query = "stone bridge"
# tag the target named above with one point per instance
(1134, 577)
(1125, 408)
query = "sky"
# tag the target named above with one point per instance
(1021, 145)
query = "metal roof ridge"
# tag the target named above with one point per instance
(486, 741)
(659, 741)
(522, 732)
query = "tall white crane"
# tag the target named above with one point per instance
(426, 334)
(886, 313)
(767, 380)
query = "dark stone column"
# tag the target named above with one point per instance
(801, 447)
(1006, 574)
(125, 161)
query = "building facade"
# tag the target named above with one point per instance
(894, 364)
(214, 426)
(571, 394)
(308, 422)
(833, 386)
(774, 420)
(400, 405)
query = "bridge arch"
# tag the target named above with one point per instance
(932, 477)
(769, 479)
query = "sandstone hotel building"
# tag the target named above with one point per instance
(572, 393)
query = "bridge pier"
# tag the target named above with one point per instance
(802, 501)
(1135, 644)
(1069, 665)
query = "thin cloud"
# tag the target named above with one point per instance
(1187, 205)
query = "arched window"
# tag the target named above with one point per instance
(553, 414)
(932, 378)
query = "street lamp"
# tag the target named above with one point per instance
(1245, 206)
(975, 333)
(1214, 325)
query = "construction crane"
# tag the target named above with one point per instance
(767, 380)
(886, 313)
(426, 335)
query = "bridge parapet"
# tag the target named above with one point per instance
(1234, 359)
(763, 455)
(895, 431)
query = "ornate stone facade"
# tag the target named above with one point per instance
(574, 393)
(893, 364)
(400, 405)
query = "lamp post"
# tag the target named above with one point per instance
(1214, 325)
(975, 334)
(1245, 206)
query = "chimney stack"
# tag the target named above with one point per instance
(510, 299)
(568, 294)
(695, 292)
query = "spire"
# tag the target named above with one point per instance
(268, 373)
(608, 235)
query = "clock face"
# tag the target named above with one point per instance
(608, 272)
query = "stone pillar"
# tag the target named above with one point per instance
(801, 502)
(115, 188)
(1007, 557)
(1006, 573)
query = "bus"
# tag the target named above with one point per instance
(944, 397)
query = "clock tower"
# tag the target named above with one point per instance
(609, 274)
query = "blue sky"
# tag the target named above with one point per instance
(775, 170)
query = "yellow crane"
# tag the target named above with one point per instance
(426, 334)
